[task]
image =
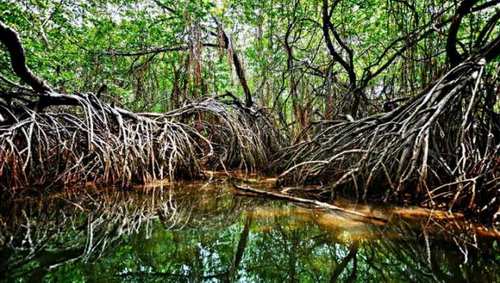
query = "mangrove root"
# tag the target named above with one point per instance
(441, 148)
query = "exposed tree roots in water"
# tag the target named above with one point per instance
(101, 143)
(48, 138)
(242, 137)
(98, 142)
(95, 142)
(441, 149)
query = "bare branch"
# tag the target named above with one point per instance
(10, 39)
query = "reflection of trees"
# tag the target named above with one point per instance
(84, 226)
(433, 253)
(297, 250)
(206, 234)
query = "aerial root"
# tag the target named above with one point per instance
(95, 142)
(242, 138)
(89, 140)
(442, 148)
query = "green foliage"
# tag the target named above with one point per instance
(71, 44)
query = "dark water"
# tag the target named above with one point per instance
(207, 233)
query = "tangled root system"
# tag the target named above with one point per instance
(242, 138)
(95, 142)
(442, 147)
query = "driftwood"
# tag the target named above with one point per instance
(309, 202)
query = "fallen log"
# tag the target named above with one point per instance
(314, 203)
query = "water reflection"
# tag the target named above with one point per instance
(204, 233)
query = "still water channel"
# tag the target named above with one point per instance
(205, 232)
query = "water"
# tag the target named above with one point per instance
(206, 233)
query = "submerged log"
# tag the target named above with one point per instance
(310, 202)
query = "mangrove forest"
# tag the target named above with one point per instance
(249, 141)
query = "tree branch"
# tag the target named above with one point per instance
(10, 39)
(240, 72)
(454, 57)
(327, 27)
